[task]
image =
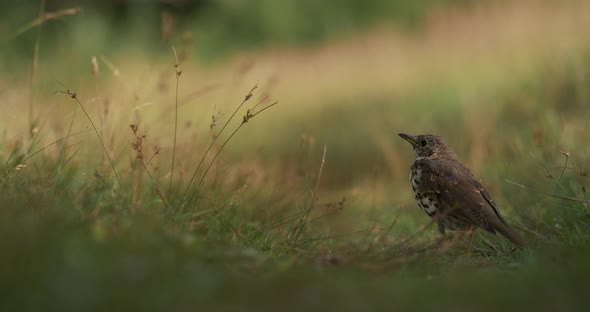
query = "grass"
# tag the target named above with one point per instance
(306, 206)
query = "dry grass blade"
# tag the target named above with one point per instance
(45, 17)
(317, 187)
(116, 72)
(53, 143)
(567, 157)
(548, 172)
(546, 193)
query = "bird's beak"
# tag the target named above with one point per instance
(410, 138)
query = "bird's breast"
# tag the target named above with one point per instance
(424, 200)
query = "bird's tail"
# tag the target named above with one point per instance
(508, 232)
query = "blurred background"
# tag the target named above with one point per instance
(507, 83)
(500, 80)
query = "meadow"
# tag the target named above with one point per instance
(152, 176)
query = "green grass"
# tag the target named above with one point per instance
(276, 223)
(56, 259)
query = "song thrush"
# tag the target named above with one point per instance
(446, 190)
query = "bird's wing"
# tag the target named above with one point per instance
(459, 194)
(489, 200)
(463, 197)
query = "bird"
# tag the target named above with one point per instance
(446, 190)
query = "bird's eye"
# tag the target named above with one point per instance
(423, 142)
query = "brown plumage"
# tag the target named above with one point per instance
(447, 191)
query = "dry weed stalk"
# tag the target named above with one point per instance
(581, 171)
(550, 176)
(250, 113)
(34, 70)
(178, 73)
(41, 19)
(138, 145)
(74, 96)
(104, 113)
(248, 116)
(212, 140)
(303, 222)
(44, 17)
(116, 72)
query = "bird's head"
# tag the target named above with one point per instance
(429, 146)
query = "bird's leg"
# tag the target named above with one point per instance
(441, 229)
(443, 236)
